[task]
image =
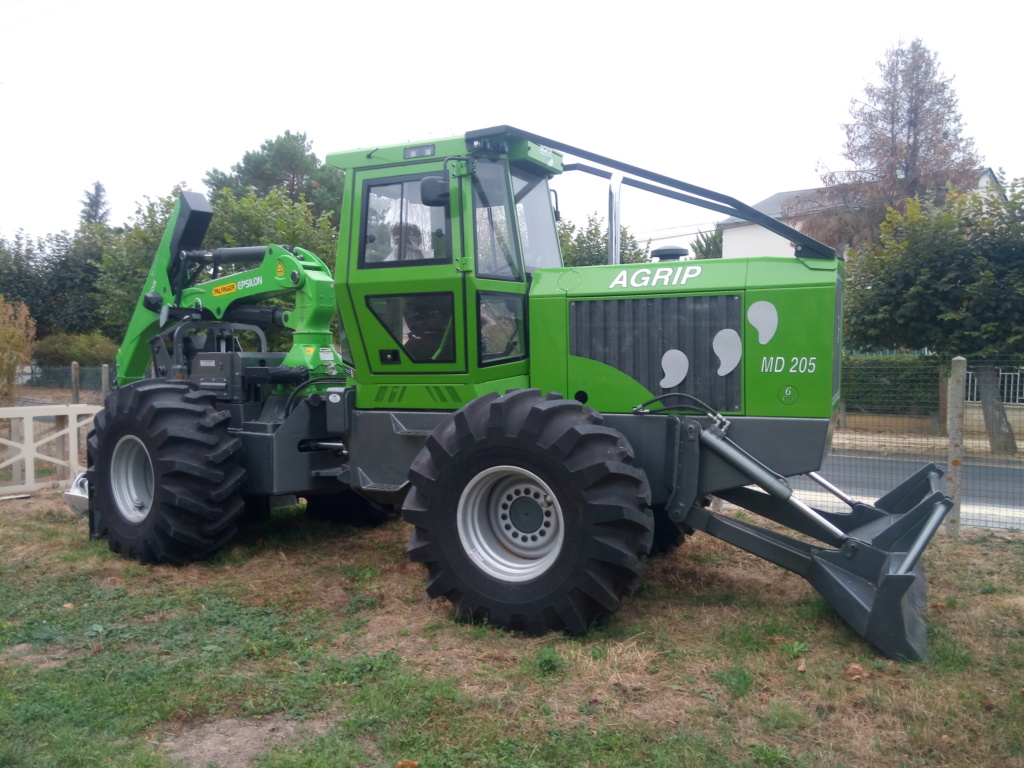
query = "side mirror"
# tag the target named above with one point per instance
(434, 191)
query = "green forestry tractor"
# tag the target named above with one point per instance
(542, 428)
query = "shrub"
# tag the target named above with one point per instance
(88, 349)
(905, 384)
(17, 331)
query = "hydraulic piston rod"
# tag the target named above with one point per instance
(714, 440)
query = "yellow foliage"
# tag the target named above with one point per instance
(17, 334)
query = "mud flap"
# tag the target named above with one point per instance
(868, 571)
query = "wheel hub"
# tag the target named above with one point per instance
(510, 523)
(131, 478)
(526, 514)
(522, 515)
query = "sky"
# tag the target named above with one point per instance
(745, 98)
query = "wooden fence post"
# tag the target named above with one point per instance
(75, 389)
(955, 407)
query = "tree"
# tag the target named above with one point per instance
(589, 245)
(17, 333)
(69, 266)
(251, 218)
(95, 209)
(708, 245)
(287, 162)
(20, 277)
(949, 278)
(905, 140)
(126, 261)
(56, 277)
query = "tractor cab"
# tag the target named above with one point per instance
(439, 244)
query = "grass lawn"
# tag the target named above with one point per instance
(311, 645)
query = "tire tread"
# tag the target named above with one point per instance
(196, 499)
(598, 460)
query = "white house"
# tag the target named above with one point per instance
(742, 238)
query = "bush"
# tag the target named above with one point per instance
(88, 349)
(17, 330)
(904, 384)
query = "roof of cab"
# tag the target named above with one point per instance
(489, 142)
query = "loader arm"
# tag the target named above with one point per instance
(173, 292)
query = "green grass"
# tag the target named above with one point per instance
(328, 629)
(737, 680)
(546, 662)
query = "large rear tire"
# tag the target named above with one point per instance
(528, 513)
(164, 477)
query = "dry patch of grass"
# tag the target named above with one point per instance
(233, 743)
(23, 655)
(303, 640)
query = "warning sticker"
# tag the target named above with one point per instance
(326, 354)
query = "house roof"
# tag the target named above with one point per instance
(786, 205)
(792, 202)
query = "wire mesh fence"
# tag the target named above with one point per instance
(44, 384)
(893, 420)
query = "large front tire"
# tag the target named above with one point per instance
(163, 474)
(528, 513)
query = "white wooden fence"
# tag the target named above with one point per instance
(42, 446)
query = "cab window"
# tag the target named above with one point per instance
(502, 335)
(420, 323)
(496, 248)
(537, 231)
(398, 229)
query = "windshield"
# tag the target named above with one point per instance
(536, 220)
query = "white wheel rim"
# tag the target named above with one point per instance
(510, 523)
(131, 479)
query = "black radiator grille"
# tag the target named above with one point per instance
(633, 335)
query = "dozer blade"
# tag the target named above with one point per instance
(868, 571)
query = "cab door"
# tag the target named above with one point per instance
(407, 293)
(496, 285)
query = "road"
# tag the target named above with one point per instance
(993, 496)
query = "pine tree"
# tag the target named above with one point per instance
(905, 139)
(95, 209)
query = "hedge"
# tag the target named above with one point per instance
(904, 384)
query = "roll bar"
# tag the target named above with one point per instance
(488, 139)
